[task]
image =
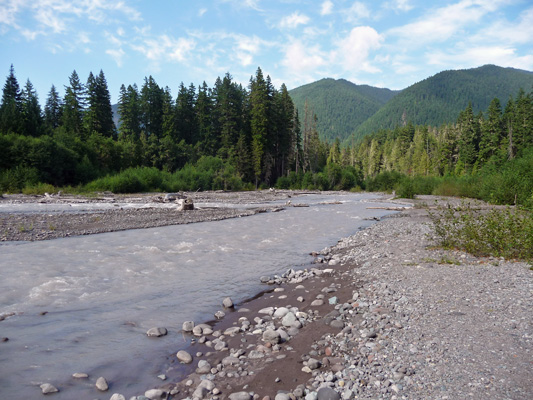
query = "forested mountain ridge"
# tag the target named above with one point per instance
(340, 105)
(440, 98)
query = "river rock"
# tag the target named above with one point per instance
(101, 384)
(155, 394)
(183, 357)
(271, 336)
(117, 396)
(227, 302)
(281, 312)
(327, 393)
(240, 396)
(203, 367)
(188, 326)
(232, 331)
(157, 332)
(220, 314)
(80, 375)
(289, 319)
(203, 389)
(48, 388)
(317, 303)
(313, 364)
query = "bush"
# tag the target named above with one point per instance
(384, 181)
(501, 233)
(15, 179)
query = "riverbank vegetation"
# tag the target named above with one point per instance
(232, 137)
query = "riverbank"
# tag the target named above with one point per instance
(386, 316)
(108, 212)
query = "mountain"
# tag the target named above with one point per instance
(340, 106)
(440, 98)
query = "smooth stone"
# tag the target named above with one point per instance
(300, 299)
(332, 300)
(220, 314)
(230, 360)
(101, 384)
(337, 324)
(227, 302)
(155, 394)
(271, 336)
(282, 396)
(243, 310)
(240, 396)
(117, 396)
(48, 388)
(188, 326)
(255, 354)
(203, 367)
(313, 363)
(232, 331)
(311, 396)
(266, 310)
(289, 319)
(183, 357)
(327, 393)
(317, 303)
(281, 312)
(80, 375)
(157, 332)
(264, 279)
(203, 389)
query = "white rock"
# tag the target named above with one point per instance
(101, 384)
(48, 388)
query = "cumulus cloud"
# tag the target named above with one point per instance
(302, 59)
(292, 21)
(326, 8)
(164, 47)
(401, 5)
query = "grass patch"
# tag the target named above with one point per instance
(504, 233)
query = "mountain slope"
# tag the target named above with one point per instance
(440, 98)
(340, 106)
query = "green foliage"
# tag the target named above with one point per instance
(384, 182)
(502, 233)
(15, 179)
(440, 98)
(340, 106)
(39, 189)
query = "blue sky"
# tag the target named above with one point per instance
(392, 43)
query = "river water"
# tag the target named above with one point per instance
(100, 294)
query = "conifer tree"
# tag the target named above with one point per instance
(130, 113)
(259, 109)
(53, 109)
(11, 118)
(31, 111)
(74, 106)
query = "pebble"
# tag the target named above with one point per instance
(117, 396)
(188, 326)
(240, 396)
(155, 394)
(80, 375)
(184, 357)
(157, 332)
(47, 388)
(327, 393)
(227, 302)
(101, 384)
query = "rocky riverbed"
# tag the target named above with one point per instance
(142, 211)
(381, 315)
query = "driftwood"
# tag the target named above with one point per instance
(185, 204)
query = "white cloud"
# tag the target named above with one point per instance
(292, 21)
(353, 51)
(356, 12)
(62, 16)
(202, 11)
(510, 32)
(326, 8)
(117, 55)
(474, 57)
(445, 22)
(164, 47)
(401, 5)
(301, 59)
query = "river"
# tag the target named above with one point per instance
(84, 304)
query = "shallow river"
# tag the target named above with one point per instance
(101, 293)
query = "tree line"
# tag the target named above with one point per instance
(255, 131)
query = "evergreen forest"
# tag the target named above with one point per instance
(232, 137)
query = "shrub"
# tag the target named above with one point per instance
(502, 233)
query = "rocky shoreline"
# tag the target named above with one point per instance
(128, 212)
(381, 315)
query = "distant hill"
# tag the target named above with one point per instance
(440, 98)
(340, 106)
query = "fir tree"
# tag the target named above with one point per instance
(53, 109)
(11, 118)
